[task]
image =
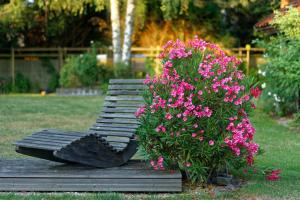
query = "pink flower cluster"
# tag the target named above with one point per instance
(140, 111)
(274, 175)
(198, 80)
(160, 128)
(158, 164)
(242, 135)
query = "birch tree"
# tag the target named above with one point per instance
(116, 30)
(126, 50)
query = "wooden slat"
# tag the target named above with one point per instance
(119, 110)
(126, 81)
(124, 92)
(41, 143)
(127, 87)
(52, 137)
(58, 186)
(117, 139)
(47, 140)
(60, 132)
(101, 128)
(118, 115)
(112, 133)
(117, 125)
(124, 121)
(59, 135)
(23, 164)
(101, 173)
(122, 104)
(124, 98)
(41, 146)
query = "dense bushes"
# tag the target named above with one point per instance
(196, 112)
(54, 75)
(84, 70)
(22, 84)
(80, 70)
(282, 71)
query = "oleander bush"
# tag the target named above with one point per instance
(195, 116)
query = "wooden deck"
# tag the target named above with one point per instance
(41, 175)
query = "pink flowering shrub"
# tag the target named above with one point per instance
(195, 115)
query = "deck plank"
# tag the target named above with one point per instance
(40, 175)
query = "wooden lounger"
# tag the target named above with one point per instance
(109, 142)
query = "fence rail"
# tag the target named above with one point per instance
(60, 53)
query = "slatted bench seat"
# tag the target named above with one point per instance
(109, 142)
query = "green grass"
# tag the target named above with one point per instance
(20, 115)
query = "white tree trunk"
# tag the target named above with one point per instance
(116, 30)
(126, 51)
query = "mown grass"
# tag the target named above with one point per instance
(20, 115)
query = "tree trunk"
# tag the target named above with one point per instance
(116, 30)
(126, 52)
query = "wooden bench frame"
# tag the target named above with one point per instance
(109, 142)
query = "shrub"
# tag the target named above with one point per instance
(5, 85)
(68, 74)
(122, 70)
(195, 115)
(80, 70)
(54, 76)
(22, 84)
(282, 71)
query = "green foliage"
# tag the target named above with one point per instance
(288, 23)
(54, 76)
(22, 84)
(74, 7)
(68, 75)
(150, 66)
(84, 70)
(282, 71)
(5, 85)
(87, 69)
(121, 70)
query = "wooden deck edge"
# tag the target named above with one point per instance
(36, 175)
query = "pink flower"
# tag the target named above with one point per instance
(140, 111)
(147, 80)
(160, 128)
(255, 92)
(194, 135)
(168, 64)
(179, 115)
(211, 142)
(168, 116)
(158, 164)
(274, 175)
(188, 164)
(201, 138)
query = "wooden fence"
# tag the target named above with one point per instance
(32, 54)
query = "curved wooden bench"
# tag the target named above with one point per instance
(109, 142)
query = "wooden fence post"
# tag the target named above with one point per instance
(60, 58)
(248, 48)
(13, 67)
(156, 60)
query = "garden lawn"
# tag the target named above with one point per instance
(20, 115)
